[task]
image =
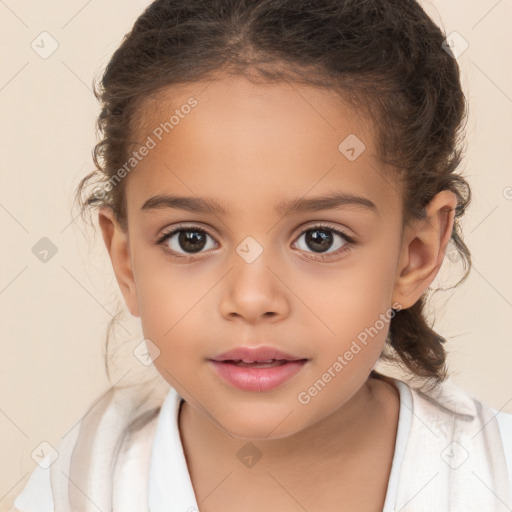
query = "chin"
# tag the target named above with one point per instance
(258, 427)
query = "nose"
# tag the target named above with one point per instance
(253, 293)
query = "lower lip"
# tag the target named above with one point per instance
(257, 379)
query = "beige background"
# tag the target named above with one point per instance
(54, 314)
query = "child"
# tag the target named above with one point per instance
(238, 138)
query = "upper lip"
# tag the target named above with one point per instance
(256, 354)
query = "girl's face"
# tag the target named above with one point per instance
(272, 265)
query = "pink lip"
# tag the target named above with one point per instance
(257, 379)
(262, 353)
(253, 378)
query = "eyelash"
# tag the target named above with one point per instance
(349, 241)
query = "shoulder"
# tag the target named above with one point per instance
(505, 425)
(462, 418)
(454, 447)
(454, 401)
(103, 439)
(37, 494)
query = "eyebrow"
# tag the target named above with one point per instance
(204, 205)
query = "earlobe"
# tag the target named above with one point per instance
(117, 244)
(423, 248)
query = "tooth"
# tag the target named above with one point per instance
(250, 361)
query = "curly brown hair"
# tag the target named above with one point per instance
(387, 57)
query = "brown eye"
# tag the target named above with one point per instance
(318, 240)
(323, 240)
(185, 240)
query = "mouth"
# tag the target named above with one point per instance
(249, 355)
(271, 363)
(256, 368)
(257, 376)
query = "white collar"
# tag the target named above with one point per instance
(451, 397)
(169, 479)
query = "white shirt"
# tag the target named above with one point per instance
(170, 486)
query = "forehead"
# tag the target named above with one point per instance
(243, 142)
(260, 105)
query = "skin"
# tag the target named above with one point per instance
(250, 146)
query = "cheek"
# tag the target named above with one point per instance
(354, 305)
(163, 292)
(370, 282)
(160, 298)
(174, 308)
(352, 297)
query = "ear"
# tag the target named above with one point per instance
(117, 243)
(423, 247)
